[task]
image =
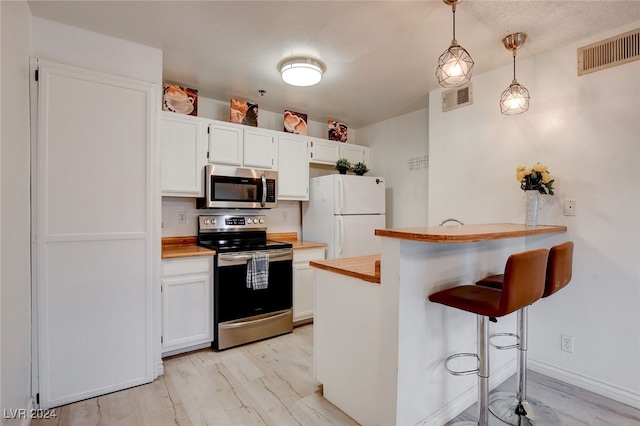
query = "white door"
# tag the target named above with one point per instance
(260, 149)
(355, 235)
(359, 195)
(293, 168)
(95, 239)
(225, 144)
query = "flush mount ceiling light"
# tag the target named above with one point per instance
(515, 98)
(301, 71)
(454, 65)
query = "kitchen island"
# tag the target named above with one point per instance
(380, 347)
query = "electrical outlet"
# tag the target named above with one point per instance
(182, 216)
(285, 217)
(569, 207)
(566, 343)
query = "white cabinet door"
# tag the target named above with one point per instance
(260, 149)
(183, 154)
(355, 154)
(225, 144)
(324, 151)
(304, 282)
(293, 168)
(187, 303)
(97, 233)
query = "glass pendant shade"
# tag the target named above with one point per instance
(454, 67)
(302, 71)
(514, 100)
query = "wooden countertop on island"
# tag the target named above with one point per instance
(468, 233)
(366, 268)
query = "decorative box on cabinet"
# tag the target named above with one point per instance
(187, 304)
(304, 282)
(183, 154)
(293, 167)
(324, 151)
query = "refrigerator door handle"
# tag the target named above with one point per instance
(341, 236)
(340, 195)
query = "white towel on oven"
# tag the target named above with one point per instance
(258, 271)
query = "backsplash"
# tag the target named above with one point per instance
(287, 217)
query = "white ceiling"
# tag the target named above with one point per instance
(380, 56)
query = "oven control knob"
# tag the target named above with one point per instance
(261, 220)
(206, 221)
(213, 221)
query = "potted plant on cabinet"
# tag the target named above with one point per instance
(342, 165)
(360, 169)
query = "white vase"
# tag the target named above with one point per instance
(531, 207)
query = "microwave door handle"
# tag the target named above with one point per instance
(264, 191)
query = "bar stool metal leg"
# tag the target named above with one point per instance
(516, 409)
(483, 374)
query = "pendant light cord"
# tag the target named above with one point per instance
(453, 8)
(514, 65)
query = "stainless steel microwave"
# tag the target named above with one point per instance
(229, 187)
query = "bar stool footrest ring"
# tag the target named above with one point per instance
(505, 347)
(463, 372)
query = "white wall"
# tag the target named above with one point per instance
(15, 285)
(587, 130)
(399, 148)
(74, 46)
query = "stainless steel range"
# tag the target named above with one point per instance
(243, 313)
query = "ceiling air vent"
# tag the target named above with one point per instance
(458, 97)
(609, 53)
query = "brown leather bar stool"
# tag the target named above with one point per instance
(516, 408)
(523, 284)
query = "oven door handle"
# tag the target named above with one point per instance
(248, 256)
(257, 321)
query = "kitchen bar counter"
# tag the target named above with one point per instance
(379, 349)
(366, 268)
(179, 247)
(468, 233)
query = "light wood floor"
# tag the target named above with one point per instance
(271, 383)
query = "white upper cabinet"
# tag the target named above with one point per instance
(293, 163)
(324, 151)
(237, 145)
(225, 143)
(183, 154)
(356, 153)
(260, 149)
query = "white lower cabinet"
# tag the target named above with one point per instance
(304, 282)
(187, 303)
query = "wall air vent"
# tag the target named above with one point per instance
(609, 53)
(458, 97)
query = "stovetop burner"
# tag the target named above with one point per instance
(236, 233)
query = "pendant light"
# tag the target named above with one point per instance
(515, 98)
(454, 65)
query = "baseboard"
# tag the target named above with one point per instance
(616, 393)
(159, 368)
(468, 397)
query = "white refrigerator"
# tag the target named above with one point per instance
(344, 211)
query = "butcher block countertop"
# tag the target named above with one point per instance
(366, 268)
(292, 237)
(178, 247)
(468, 233)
